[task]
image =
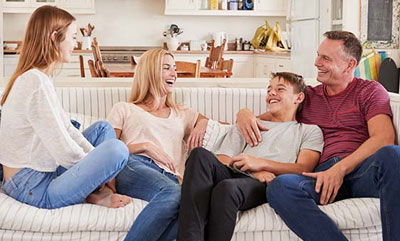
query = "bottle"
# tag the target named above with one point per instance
(213, 4)
(238, 44)
(248, 5)
(233, 5)
(240, 4)
(224, 4)
(204, 4)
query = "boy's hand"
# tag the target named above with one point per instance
(264, 176)
(246, 163)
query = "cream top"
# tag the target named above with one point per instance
(35, 131)
(138, 126)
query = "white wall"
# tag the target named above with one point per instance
(141, 23)
(1, 38)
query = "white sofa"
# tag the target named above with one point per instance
(358, 218)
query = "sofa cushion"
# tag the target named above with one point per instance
(15, 215)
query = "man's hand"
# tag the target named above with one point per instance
(264, 176)
(249, 126)
(330, 180)
(196, 136)
(246, 163)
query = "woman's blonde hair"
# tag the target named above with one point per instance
(39, 50)
(148, 86)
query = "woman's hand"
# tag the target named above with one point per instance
(157, 154)
(247, 163)
(264, 176)
(196, 136)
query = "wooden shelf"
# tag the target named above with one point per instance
(225, 13)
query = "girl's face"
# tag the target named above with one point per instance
(68, 44)
(168, 73)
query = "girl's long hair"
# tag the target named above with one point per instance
(39, 50)
(148, 86)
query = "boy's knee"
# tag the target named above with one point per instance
(199, 157)
(224, 191)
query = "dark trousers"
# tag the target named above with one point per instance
(211, 197)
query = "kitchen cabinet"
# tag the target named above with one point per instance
(1, 39)
(71, 69)
(181, 4)
(264, 65)
(9, 64)
(28, 6)
(243, 65)
(271, 7)
(193, 7)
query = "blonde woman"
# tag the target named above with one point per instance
(155, 130)
(46, 161)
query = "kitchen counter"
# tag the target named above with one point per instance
(257, 52)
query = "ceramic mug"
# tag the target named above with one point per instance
(172, 43)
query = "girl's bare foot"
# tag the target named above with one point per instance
(105, 198)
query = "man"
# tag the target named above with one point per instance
(358, 160)
(214, 190)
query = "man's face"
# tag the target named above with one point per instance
(282, 97)
(332, 62)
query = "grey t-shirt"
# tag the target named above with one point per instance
(282, 142)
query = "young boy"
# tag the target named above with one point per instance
(214, 188)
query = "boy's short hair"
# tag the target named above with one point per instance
(297, 81)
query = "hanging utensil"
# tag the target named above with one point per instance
(90, 29)
(83, 31)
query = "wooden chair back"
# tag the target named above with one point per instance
(216, 54)
(188, 69)
(132, 61)
(81, 66)
(92, 68)
(98, 61)
(227, 65)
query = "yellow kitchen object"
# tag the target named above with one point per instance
(213, 4)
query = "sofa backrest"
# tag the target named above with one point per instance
(220, 104)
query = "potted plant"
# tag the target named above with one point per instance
(171, 34)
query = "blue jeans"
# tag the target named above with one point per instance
(143, 179)
(294, 198)
(67, 187)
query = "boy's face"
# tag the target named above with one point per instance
(281, 96)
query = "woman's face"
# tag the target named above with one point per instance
(168, 73)
(68, 44)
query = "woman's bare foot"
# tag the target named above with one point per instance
(105, 198)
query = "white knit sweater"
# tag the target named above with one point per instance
(35, 131)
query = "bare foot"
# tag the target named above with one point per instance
(108, 199)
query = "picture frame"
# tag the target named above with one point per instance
(389, 43)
